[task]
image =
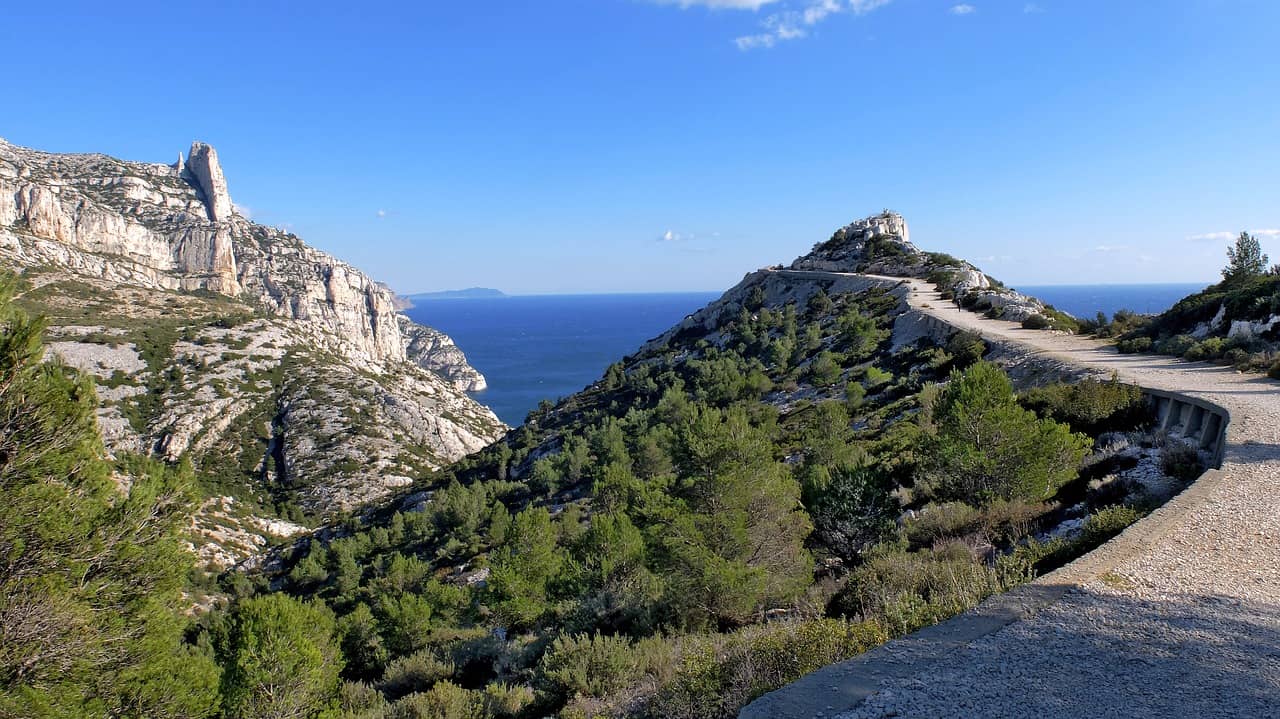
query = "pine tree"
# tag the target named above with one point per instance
(987, 447)
(90, 574)
(281, 659)
(1245, 259)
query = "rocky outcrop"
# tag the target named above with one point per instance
(287, 376)
(202, 163)
(881, 245)
(433, 350)
(174, 227)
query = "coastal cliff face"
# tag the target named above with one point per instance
(286, 376)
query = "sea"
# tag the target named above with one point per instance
(1086, 301)
(536, 347)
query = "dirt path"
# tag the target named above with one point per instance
(1183, 622)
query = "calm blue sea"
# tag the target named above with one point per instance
(532, 348)
(1088, 300)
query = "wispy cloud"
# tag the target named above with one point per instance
(677, 237)
(243, 210)
(1110, 248)
(1226, 236)
(382, 214)
(793, 24)
(718, 4)
(962, 9)
(1031, 7)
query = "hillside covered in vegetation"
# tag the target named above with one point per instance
(1234, 322)
(773, 485)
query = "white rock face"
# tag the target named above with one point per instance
(1248, 329)
(173, 228)
(202, 163)
(435, 351)
(279, 370)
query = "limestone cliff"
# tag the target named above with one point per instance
(286, 375)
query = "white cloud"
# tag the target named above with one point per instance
(1110, 248)
(718, 4)
(1226, 236)
(382, 214)
(1031, 7)
(678, 237)
(243, 210)
(795, 24)
(962, 9)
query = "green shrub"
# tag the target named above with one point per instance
(854, 395)
(1134, 345)
(445, 700)
(1000, 523)
(939, 522)
(942, 258)
(907, 591)
(876, 376)
(1178, 345)
(966, 348)
(1274, 371)
(1180, 461)
(506, 701)
(1107, 523)
(593, 666)
(855, 510)
(720, 674)
(1209, 349)
(1091, 406)
(1036, 322)
(414, 673)
(824, 370)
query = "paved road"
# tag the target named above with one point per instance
(1185, 622)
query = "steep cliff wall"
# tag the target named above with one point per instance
(175, 227)
(285, 375)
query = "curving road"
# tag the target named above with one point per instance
(1177, 617)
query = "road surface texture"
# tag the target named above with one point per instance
(1177, 617)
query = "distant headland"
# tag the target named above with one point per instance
(470, 293)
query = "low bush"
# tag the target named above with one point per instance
(940, 522)
(1134, 345)
(1036, 558)
(1177, 345)
(1180, 461)
(1036, 322)
(1274, 371)
(506, 701)
(907, 591)
(720, 674)
(1091, 406)
(1000, 523)
(966, 348)
(1105, 524)
(414, 673)
(445, 700)
(1209, 349)
(876, 377)
(593, 666)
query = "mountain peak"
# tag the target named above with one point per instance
(203, 168)
(858, 245)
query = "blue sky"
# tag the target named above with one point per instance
(631, 145)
